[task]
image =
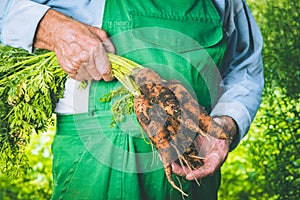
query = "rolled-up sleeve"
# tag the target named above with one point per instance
(242, 69)
(18, 22)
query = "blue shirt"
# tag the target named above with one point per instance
(242, 69)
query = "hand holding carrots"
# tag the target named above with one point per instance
(80, 48)
(213, 150)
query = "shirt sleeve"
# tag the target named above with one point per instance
(242, 68)
(18, 22)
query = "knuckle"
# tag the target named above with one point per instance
(101, 33)
(89, 45)
(81, 58)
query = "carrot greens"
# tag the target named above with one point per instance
(30, 87)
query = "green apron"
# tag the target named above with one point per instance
(180, 40)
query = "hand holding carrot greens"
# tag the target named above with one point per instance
(80, 48)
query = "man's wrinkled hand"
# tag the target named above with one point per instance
(213, 150)
(80, 48)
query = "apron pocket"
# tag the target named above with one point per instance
(173, 34)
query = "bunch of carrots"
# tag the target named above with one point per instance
(168, 114)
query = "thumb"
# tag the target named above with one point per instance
(108, 46)
(106, 42)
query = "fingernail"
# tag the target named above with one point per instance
(108, 77)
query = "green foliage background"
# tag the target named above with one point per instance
(36, 183)
(266, 165)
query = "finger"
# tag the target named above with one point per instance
(107, 74)
(103, 65)
(204, 144)
(84, 73)
(79, 78)
(100, 33)
(211, 164)
(100, 56)
(73, 76)
(69, 68)
(91, 64)
(177, 169)
(68, 63)
(107, 43)
(109, 47)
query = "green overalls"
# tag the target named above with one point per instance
(180, 40)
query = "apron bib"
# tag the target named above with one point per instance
(180, 40)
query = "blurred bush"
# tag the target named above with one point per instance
(267, 163)
(36, 183)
